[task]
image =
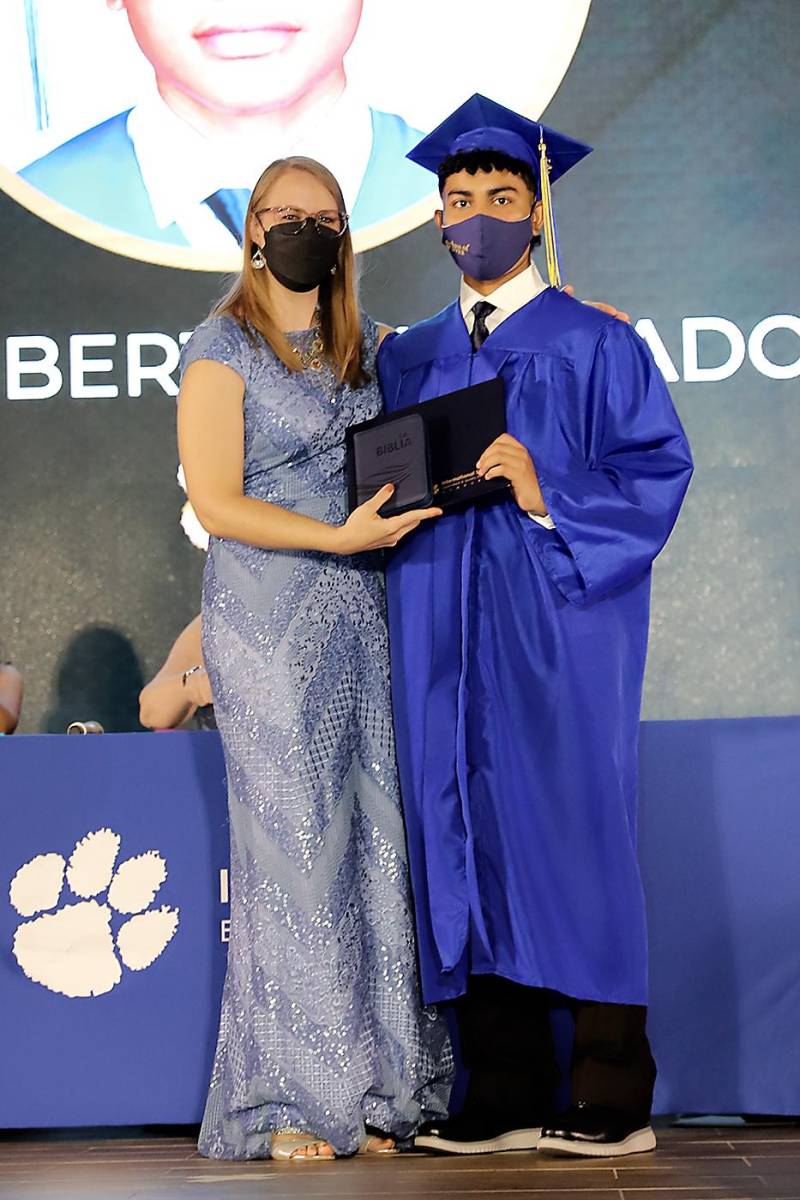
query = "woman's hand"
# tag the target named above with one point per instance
(364, 529)
(606, 308)
(507, 458)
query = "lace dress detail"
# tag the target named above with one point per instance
(322, 1028)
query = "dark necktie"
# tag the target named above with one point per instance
(229, 205)
(479, 334)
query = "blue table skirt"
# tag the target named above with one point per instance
(720, 828)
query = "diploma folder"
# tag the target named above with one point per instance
(428, 451)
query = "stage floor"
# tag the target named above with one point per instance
(691, 1164)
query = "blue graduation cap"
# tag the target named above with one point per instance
(483, 124)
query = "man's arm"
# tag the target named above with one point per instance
(10, 697)
(615, 506)
(166, 702)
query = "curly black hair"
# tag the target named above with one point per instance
(473, 161)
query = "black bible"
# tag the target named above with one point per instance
(428, 451)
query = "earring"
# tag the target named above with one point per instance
(257, 259)
(333, 269)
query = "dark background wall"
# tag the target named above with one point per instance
(687, 209)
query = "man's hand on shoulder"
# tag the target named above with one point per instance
(606, 308)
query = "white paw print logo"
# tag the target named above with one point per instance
(73, 951)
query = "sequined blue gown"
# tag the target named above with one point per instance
(322, 1028)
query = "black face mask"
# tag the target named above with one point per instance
(300, 255)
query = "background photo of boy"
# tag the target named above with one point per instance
(208, 90)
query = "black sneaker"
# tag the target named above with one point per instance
(474, 1134)
(592, 1131)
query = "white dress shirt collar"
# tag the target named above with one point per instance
(181, 167)
(509, 297)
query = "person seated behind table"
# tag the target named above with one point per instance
(180, 690)
(10, 697)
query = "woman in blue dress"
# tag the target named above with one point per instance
(324, 1048)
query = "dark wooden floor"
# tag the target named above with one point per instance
(691, 1164)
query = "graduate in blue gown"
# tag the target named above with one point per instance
(519, 632)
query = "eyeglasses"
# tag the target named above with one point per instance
(328, 220)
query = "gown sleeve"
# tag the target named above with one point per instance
(388, 372)
(615, 504)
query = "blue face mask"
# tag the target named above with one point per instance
(485, 247)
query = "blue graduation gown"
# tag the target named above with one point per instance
(518, 655)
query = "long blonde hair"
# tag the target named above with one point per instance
(340, 325)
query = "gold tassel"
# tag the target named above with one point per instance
(549, 223)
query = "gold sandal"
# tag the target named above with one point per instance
(286, 1143)
(371, 1144)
